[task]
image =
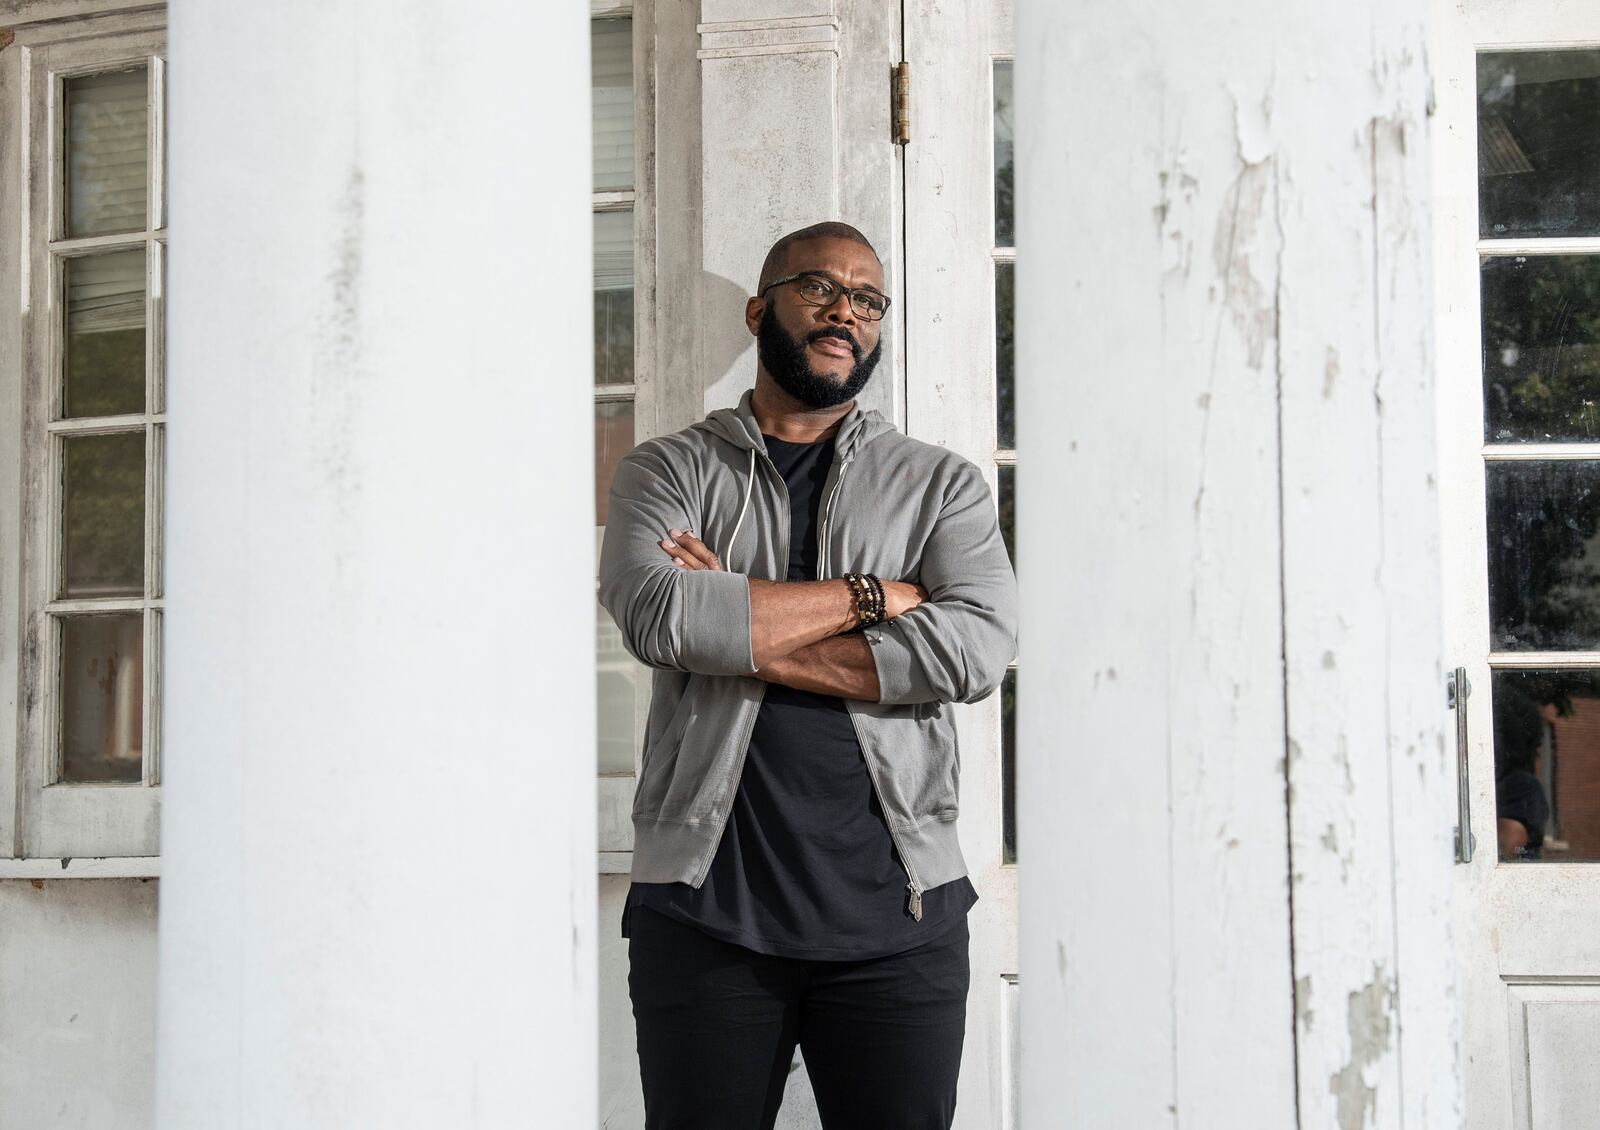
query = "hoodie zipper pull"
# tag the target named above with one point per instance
(914, 903)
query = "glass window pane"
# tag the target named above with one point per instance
(611, 72)
(1005, 364)
(102, 698)
(1539, 143)
(107, 149)
(102, 515)
(1008, 767)
(613, 298)
(613, 438)
(105, 334)
(1008, 510)
(1541, 348)
(1547, 765)
(615, 676)
(1544, 584)
(1004, 164)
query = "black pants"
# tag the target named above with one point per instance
(718, 1025)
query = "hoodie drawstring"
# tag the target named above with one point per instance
(825, 555)
(749, 484)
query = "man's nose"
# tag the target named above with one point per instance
(840, 311)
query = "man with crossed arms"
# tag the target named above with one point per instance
(813, 589)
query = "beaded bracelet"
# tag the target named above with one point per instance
(867, 593)
(879, 600)
(859, 600)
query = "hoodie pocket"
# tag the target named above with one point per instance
(660, 760)
(924, 763)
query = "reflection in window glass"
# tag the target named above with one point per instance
(1008, 767)
(1544, 556)
(105, 336)
(1005, 365)
(613, 438)
(613, 298)
(102, 698)
(615, 673)
(611, 103)
(1538, 161)
(1541, 348)
(1004, 161)
(107, 143)
(1008, 510)
(102, 505)
(1547, 764)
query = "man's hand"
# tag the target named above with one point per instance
(900, 597)
(688, 551)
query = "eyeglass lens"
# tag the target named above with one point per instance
(822, 291)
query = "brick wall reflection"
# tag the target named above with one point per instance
(1576, 774)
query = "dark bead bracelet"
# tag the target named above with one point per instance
(866, 593)
(879, 602)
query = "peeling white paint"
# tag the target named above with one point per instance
(1272, 414)
(1369, 1025)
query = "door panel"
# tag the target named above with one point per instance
(958, 320)
(1517, 150)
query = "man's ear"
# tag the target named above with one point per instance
(753, 309)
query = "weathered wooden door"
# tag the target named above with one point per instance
(1517, 180)
(957, 264)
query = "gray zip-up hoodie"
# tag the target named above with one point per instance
(894, 506)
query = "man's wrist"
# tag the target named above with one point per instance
(849, 619)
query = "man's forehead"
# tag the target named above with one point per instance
(845, 259)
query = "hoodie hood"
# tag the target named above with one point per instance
(738, 426)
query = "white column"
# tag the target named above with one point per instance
(378, 893)
(1235, 810)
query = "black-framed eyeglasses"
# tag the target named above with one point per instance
(820, 290)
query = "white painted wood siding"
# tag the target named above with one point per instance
(1235, 808)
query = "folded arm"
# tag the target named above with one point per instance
(680, 610)
(956, 646)
(953, 647)
(841, 666)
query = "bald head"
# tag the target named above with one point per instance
(774, 267)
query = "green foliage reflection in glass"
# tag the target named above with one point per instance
(1541, 348)
(1544, 555)
(1008, 767)
(1008, 510)
(1005, 354)
(1004, 162)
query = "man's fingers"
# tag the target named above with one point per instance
(698, 549)
(681, 557)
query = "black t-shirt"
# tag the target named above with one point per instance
(806, 866)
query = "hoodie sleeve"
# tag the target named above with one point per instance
(670, 618)
(956, 646)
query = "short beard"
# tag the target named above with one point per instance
(784, 358)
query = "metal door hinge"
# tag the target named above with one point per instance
(900, 103)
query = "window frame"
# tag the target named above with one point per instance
(40, 820)
(1005, 458)
(615, 791)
